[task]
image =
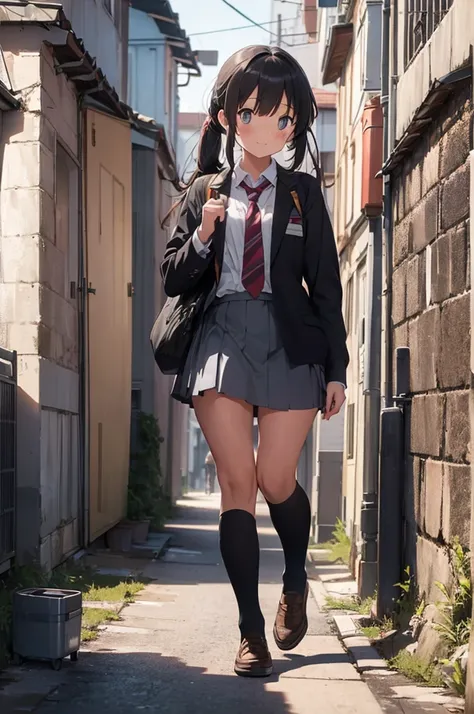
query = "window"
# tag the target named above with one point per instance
(136, 400)
(422, 17)
(349, 292)
(66, 213)
(350, 431)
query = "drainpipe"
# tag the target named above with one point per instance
(394, 419)
(388, 116)
(369, 511)
(83, 332)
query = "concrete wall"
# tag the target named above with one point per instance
(351, 229)
(431, 314)
(151, 198)
(39, 259)
(105, 36)
(447, 49)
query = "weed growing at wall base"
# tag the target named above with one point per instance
(456, 609)
(417, 669)
(339, 546)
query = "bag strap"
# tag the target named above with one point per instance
(296, 201)
(212, 178)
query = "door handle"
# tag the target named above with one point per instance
(91, 290)
(130, 290)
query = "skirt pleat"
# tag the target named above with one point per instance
(237, 350)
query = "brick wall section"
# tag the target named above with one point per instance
(431, 314)
(38, 315)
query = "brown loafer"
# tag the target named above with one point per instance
(291, 623)
(253, 658)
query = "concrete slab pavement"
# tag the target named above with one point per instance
(174, 649)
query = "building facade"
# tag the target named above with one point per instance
(352, 57)
(61, 281)
(428, 181)
(159, 60)
(417, 268)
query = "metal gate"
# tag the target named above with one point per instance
(8, 382)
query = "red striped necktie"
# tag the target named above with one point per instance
(253, 267)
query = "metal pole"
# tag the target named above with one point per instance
(390, 510)
(387, 209)
(369, 512)
(279, 30)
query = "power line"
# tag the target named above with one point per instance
(231, 29)
(249, 19)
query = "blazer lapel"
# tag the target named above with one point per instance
(221, 183)
(283, 205)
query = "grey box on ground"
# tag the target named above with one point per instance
(47, 624)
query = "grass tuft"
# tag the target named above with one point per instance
(417, 669)
(92, 618)
(339, 548)
(350, 603)
(372, 632)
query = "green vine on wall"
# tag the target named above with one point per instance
(147, 498)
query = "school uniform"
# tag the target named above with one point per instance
(276, 350)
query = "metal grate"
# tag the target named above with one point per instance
(7, 453)
(422, 17)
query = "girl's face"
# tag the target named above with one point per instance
(263, 135)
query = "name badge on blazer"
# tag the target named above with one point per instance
(295, 224)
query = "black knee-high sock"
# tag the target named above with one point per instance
(292, 521)
(241, 555)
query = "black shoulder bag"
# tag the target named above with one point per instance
(174, 327)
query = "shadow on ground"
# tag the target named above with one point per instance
(114, 682)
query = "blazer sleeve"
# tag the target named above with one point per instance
(324, 282)
(182, 266)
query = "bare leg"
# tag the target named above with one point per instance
(227, 426)
(282, 436)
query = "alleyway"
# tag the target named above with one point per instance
(174, 650)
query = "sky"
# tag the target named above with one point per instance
(218, 16)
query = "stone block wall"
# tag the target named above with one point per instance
(38, 317)
(431, 315)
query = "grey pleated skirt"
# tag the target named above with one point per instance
(238, 351)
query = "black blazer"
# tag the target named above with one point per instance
(311, 327)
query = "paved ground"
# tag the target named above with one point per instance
(173, 653)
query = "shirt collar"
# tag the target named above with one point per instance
(270, 173)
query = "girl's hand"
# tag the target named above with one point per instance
(212, 210)
(335, 398)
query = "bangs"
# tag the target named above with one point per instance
(267, 76)
(273, 75)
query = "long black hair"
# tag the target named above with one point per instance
(272, 72)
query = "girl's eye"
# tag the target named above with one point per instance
(283, 123)
(245, 116)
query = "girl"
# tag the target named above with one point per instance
(272, 339)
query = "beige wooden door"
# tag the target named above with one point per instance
(109, 257)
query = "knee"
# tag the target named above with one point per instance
(239, 486)
(276, 486)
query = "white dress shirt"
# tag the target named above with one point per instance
(231, 275)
